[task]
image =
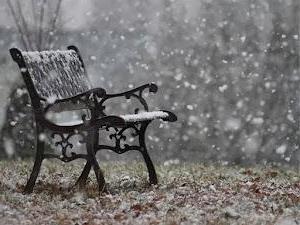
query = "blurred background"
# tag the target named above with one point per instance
(229, 69)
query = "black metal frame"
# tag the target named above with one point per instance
(94, 100)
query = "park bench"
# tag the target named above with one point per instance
(57, 81)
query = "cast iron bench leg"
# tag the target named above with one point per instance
(81, 182)
(91, 143)
(148, 161)
(150, 167)
(99, 175)
(39, 156)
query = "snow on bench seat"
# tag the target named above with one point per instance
(142, 116)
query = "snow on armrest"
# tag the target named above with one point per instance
(145, 116)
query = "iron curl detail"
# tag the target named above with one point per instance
(136, 93)
(120, 138)
(67, 146)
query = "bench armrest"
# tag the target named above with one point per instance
(87, 99)
(134, 93)
(85, 125)
(171, 116)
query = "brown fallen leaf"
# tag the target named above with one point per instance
(137, 207)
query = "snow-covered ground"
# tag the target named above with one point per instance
(186, 194)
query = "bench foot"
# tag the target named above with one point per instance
(150, 167)
(34, 174)
(92, 161)
(100, 178)
(36, 167)
(143, 150)
(81, 182)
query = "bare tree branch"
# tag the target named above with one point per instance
(18, 25)
(53, 28)
(35, 21)
(24, 25)
(41, 20)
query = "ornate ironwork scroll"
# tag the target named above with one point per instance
(119, 138)
(66, 146)
(137, 93)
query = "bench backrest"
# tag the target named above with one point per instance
(54, 74)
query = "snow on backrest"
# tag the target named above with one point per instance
(56, 74)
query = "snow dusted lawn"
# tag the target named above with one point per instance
(187, 194)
